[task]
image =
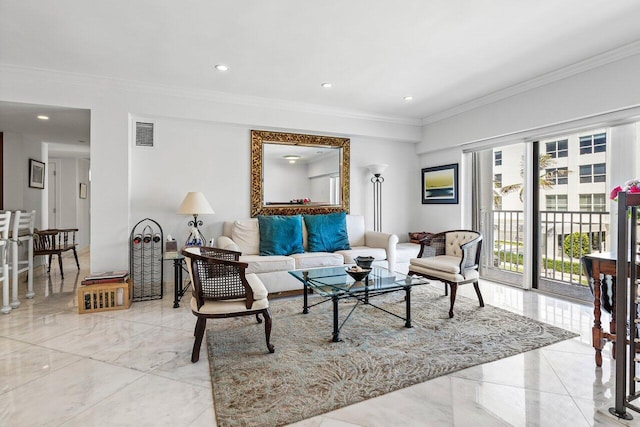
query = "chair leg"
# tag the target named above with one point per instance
(476, 286)
(267, 329)
(75, 254)
(60, 264)
(454, 289)
(446, 290)
(50, 259)
(258, 318)
(200, 327)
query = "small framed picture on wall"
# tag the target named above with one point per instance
(83, 190)
(440, 184)
(36, 174)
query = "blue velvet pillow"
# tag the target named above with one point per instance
(280, 234)
(327, 233)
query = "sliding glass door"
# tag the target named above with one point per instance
(549, 205)
(501, 213)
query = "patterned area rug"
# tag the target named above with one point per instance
(309, 375)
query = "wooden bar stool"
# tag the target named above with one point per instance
(5, 220)
(21, 235)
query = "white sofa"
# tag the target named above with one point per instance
(243, 236)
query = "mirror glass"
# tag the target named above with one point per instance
(297, 173)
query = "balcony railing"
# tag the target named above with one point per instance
(564, 237)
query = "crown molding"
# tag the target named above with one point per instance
(202, 94)
(593, 62)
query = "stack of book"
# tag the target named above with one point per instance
(106, 277)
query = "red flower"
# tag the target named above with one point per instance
(614, 192)
(634, 189)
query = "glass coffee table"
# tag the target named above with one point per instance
(334, 284)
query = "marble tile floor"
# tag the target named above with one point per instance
(132, 368)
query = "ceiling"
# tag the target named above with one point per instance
(443, 53)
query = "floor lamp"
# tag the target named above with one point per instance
(377, 181)
(195, 204)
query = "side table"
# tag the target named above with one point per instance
(178, 267)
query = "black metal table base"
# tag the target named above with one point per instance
(362, 298)
(178, 289)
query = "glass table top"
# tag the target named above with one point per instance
(328, 281)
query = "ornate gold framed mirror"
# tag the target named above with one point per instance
(296, 173)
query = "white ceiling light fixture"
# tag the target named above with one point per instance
(43, 117)
(222, 67)
(291, 158)
(327, 85)
(408, 98)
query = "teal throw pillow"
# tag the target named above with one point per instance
(280, 234)
(327, 233)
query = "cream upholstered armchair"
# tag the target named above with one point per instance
(456, 260)
(222, 289)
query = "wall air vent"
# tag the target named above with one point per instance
(144, 134)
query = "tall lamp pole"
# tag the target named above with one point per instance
(377, 181)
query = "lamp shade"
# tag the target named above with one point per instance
(377, 169)
(195, 203)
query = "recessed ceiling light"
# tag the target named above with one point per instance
(222, 67)
(326, 85)
(292, 158)
(41, 117)
(408, 98)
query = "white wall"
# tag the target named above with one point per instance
(18, 149)
(434, 218)
(83, 222)
(604, 89)
(217, 162)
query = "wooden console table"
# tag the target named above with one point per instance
(596, 264)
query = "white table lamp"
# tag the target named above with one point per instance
(195, 204)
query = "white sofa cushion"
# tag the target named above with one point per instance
(469, 275)
(224, 242)
(355, 229)
(246, 234)
(444, 263)
(317, 259)
(265, 264)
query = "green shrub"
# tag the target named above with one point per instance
(566, 266)
(576, 244)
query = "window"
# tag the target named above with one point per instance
(593, 143)
(557, 176)
(557, 202)
(557, 149)
(497, 156)
(497, 180)
(593, 173)
(593, 202)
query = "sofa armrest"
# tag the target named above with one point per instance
(386, 241)
(224, 242)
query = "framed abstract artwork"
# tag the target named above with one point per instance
(36, 174)
(440, 184)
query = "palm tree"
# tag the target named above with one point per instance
(547, 178)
